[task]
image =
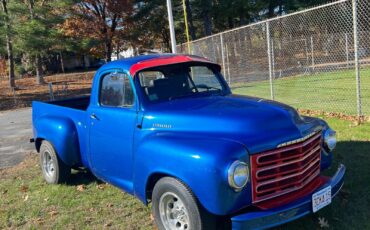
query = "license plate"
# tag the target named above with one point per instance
(321, 199)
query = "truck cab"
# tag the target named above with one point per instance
(168, 130)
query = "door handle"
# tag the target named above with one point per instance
(93, 116)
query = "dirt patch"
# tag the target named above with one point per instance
(30, 160)
(356, 120)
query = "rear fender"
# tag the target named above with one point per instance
(62, 133)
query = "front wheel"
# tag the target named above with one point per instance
(174, 207)
(54, 170)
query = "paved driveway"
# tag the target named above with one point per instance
(15, 133)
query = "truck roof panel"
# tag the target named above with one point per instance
(136, 64)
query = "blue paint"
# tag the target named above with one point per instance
(192, 139)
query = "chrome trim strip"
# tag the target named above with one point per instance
(298, 140)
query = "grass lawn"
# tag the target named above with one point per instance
(330, 92)
(26, 202)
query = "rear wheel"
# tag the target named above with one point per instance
(54, 170)
(174, 207)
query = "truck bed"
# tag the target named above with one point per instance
(73, 110)
(80, 103)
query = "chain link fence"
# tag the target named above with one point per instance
(316, 59)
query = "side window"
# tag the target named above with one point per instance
(116, 90)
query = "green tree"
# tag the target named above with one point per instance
(149, 26)
(36, 28)
(9, 41)
(204, 11)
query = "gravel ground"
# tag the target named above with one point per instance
(15, 133)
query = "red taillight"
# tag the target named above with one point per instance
(284, 170)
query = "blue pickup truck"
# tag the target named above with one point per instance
(168, 130)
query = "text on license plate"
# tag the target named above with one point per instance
(321, 199)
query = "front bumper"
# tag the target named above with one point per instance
(270, 218)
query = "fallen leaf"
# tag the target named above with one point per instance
(25, 198)
(100, 186)
(355, 123)
(323, 222)
(40, 220)
(23, 188)
(81, 187)
(53, 213)
(88, 219)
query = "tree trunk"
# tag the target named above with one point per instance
(190, 20)
(107, 45)
(108, 51)
(9, 46)
(207, 20)
(39, 71)
(207, 24)
(166, 41)
(271, 9)
(118, 50)
(230, 22)
(38, 61)
(281, 7)
(62, 62)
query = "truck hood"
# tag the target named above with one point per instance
(258, 124)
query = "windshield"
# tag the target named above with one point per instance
(179, 81)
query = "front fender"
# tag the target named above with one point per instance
(62, 133)
(201, 163)
(326, 157)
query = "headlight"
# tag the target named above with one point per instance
(238, 175)
(330, 139)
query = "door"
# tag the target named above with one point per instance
(113, 123)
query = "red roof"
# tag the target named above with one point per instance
(167, 60)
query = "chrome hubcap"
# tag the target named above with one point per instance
(48, 164)
(173, 212)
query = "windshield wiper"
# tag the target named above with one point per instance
(216, 91)
(181, 96)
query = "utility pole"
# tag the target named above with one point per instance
(172, 28)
